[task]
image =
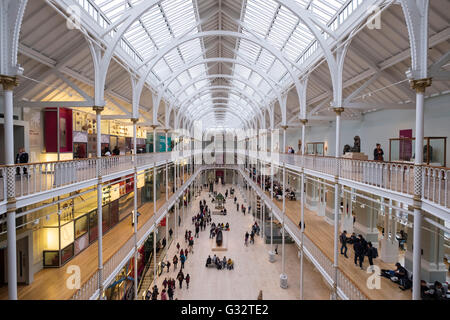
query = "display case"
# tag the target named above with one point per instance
(434, 150)
(315, 148)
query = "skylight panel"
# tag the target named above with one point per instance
(161, 69)
(180, 15)
(184, 77)
(197, 71)
(248, 50)
(191, 49)
(277, 70)
(242, 71)
(283, 26)
(266, 59)
(255, 78)
(259, 15)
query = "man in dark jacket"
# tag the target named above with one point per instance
(359, 252)
(116, 151)
(22, 157)
(343, 240)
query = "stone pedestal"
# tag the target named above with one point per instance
(355, 156)
(389, 250)
(271, 256)
(321, 209)
(283, 281)
(347, 223)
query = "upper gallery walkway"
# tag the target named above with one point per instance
(394, 180)
(118, 248)
(35, 182)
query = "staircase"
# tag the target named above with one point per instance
(147, 279)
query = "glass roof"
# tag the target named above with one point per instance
(174, 19)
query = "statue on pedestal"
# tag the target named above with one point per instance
(356, 145)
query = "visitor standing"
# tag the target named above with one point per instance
(188, 278)
(175, 262)
(378, 153)
(343, 239)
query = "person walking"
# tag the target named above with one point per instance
(170, 292)
(359, 253)
(175, 261)
(182, 260)
(178, 246)
(168, 266)
(237, 207)
(163, 295)
(246, 238)
(252, 237)
(180, 278)
(155, 293)
(186, 251)
(188, 278)
(196, 231)
(165, 283)
(343, 239)
(170, 232)
(372, 253)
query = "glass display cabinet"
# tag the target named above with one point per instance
(434, 150)
(315, 148)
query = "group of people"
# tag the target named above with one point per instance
(220, 263)
(255, 230)
(215, 228)
(115, 152)
(361, 247)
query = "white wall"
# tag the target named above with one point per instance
(379, 127)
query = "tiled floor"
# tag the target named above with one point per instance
(253, 271)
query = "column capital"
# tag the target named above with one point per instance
(98, 109)
(166, 130)
(420, 84)
(153, 126)
(8, 82)
(338, 110)
(304, 121)
(284, 127)
(134, 120)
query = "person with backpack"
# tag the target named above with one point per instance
(188, 278)
(343, 239)
(148, 295)
(372, 253)
(182, 260)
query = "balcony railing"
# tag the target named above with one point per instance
(392, 176)
(32, 178)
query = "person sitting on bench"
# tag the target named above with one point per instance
(230, 264)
